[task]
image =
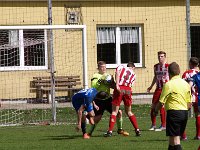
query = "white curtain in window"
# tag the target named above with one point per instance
(128, 35)
(13, 37)
(105, 35)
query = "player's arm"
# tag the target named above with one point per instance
(113, 84)
(189, 97)
(94, 82)
(152, 83)
(117, 79)
(79, 117)
(95, 105)
(163, 98)
(191, 83)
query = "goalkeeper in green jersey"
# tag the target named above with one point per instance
(103, 81)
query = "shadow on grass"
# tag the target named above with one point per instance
(149, 140)
(68, 137)
(63, 137)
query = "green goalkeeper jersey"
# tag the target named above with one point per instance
(100, 86)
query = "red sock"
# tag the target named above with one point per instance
(163, 117)
(184, 135)
(112, 122)
(198, 125)
(153, 118)
(134, 121)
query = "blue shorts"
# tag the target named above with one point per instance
(85, 98)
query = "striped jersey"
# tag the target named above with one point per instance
(161, 73)
(187, 75)
(126, 76)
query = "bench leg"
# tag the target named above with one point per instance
(49, 100)
(39, 95)
(70, 94)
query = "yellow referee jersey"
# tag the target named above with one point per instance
(176, 94)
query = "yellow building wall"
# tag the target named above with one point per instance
(163, 28)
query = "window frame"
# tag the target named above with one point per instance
(191, 50)
(21, 56)
(118, 55)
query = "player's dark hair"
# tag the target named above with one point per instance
(173, 69)
(162, 52)
(130, 64)
(194, 61)
(99, 63)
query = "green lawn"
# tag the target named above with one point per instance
(64, 137)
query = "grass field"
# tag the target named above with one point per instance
(63, 137)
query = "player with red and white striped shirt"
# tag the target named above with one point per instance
(161, 76)
(187, 75)
(125, 77)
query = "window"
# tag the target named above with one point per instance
(23, 50)
(195, 41)
(119, 45)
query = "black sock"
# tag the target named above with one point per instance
(83, 127)
(170, 147)
(177, 147)
(92, 129)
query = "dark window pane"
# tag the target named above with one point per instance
(130, 52)
(10, 57)
(106, 52)
(34, 48)
(195, 41)
(4, 37)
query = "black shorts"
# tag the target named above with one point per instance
(103, 105)
(176, 122)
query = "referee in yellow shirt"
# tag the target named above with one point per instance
(176, 97)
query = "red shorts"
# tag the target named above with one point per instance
(156, 96)
(125, 94)
(195, 106)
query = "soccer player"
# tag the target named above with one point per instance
(82, 102)
(187, 75)
(160, 78)
(125, 78)
(196, 81)
(176, 97)
(103, 99)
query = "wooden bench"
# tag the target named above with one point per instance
(42, 85)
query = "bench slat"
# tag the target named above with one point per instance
(56, 80)
(61, 89)
(57, 77)
(59, 84)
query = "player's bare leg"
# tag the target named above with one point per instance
(174, 143)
